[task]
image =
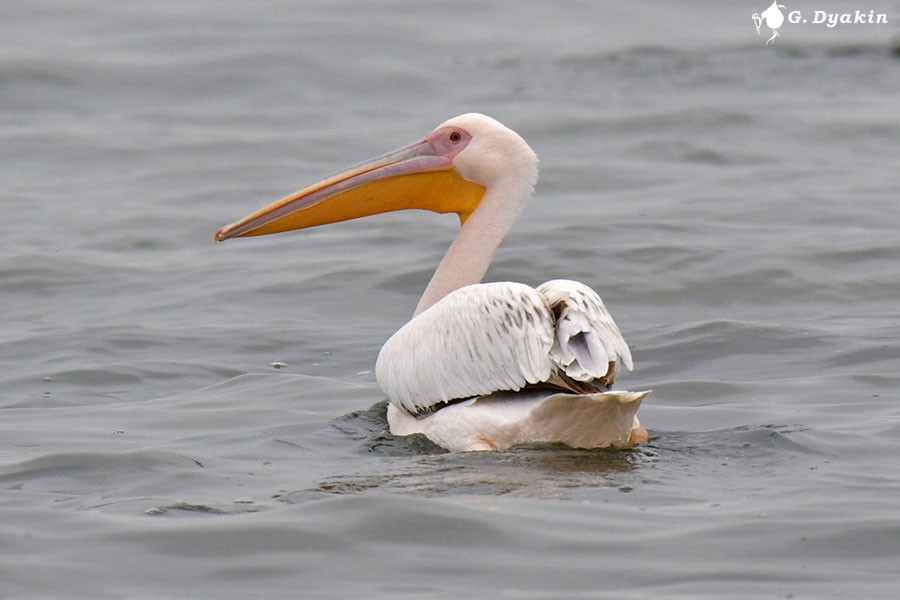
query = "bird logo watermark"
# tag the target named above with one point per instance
(773, 18)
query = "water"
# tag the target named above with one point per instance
(184, 420)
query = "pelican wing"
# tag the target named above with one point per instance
(588, 343)
(489, 337)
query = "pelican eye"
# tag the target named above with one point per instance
(455, 137)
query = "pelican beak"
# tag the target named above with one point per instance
(420, 175)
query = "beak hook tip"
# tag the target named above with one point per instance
(222, 233)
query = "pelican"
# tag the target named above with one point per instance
(480, 366)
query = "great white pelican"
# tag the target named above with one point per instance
(480, 366)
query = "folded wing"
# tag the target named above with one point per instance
(502, 336)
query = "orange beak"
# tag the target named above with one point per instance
(420, 175)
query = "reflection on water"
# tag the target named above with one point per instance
(545, 472)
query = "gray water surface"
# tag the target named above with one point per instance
(181, 419)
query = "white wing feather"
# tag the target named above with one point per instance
(490, 337)
(587, 338)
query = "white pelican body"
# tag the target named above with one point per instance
(479, 366)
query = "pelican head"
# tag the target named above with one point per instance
(448, 171)
(496, 157)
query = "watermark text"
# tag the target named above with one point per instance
(857, 17)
